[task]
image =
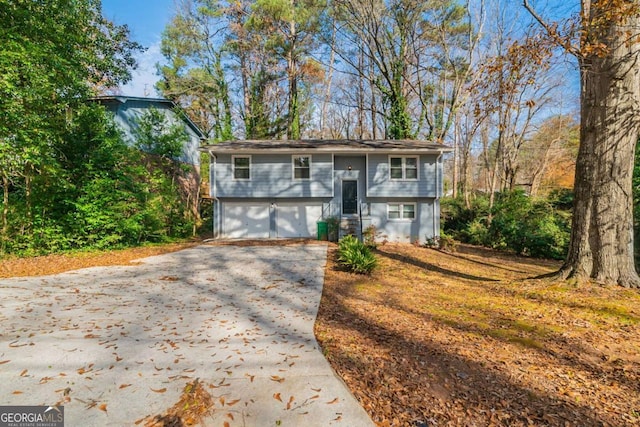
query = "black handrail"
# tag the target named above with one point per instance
(360, 215)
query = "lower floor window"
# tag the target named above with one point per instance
(401, 210)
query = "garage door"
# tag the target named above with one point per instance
(297, 220)
(244, 220)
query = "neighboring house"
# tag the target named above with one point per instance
(127, 111)
(270, 189)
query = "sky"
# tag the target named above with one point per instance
(146, 20)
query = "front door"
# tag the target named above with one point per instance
(349, 197)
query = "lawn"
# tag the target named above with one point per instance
(468, 339)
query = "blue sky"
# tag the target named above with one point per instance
(146, 20)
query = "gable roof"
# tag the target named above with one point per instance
(327, 145)
(122, 99)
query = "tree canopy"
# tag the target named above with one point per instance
(68, 178)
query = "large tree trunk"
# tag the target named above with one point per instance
(601, 246)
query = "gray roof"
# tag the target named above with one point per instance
(326, 145)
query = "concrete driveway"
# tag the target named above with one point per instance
(117, 345)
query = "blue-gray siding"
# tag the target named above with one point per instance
(272, 177)
(420, 229)
(127, 114)
(380, 185)
(272, 185)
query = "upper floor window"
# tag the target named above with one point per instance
(242, 167)
(301, 167)
(403, 167)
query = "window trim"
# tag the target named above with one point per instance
(293, 166)
(401, 206)
(404, 167)
(233, 166)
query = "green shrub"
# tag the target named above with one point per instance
(356, 256)
(519, 223)
(476, 232)
(467, 224)
(443, 242)
(528, 226)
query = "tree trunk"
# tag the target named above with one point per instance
(361, 112)
(293, 131)
(327, 85)
(28, 176)
(5, 209)
(454, 186)
(601, 246)
(246, 96)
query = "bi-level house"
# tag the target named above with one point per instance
(282, 189)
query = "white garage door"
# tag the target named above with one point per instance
(297, 220)
(244, 220)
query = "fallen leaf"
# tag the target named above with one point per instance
(221, 400)
(333, 401)
(226, 424)
(103, 407)
(277, 396)
(233, 402)
(124, 386)
(17, 392)
(291, 399)
(277, 378)
(161, 390)
(2, 362)
(230, 415)
(24, 372)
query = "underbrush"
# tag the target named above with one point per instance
(537, 227)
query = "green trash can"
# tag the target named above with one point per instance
(323, 230)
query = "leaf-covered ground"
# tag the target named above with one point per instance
(58, 263)
(463, 339)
